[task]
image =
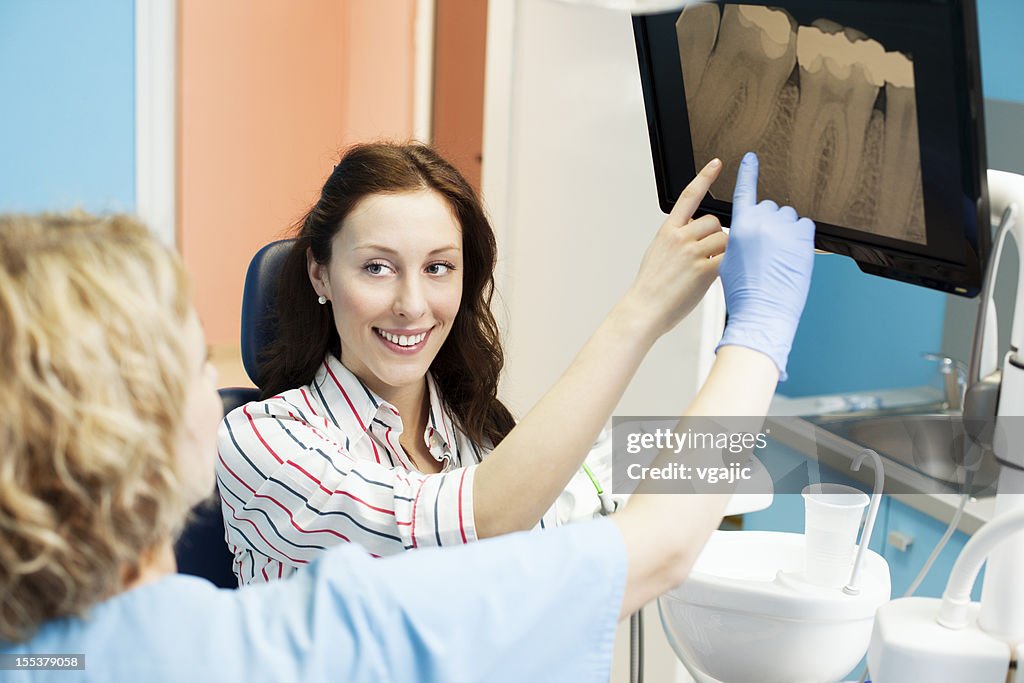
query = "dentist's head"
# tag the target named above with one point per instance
(393, 273)
(110, 412)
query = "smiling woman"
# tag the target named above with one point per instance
(395, 284)
(380, 422)
(385, 371)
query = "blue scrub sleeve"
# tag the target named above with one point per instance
(532, 606)
(535, 606)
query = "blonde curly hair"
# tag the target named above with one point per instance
(91, 405)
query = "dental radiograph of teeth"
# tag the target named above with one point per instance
(831, 114)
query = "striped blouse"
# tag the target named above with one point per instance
(322, 464)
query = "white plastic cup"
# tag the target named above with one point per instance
(832, 515)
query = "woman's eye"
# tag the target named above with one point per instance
(440, 268)
(375, 268)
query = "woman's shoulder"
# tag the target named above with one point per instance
(299, 405)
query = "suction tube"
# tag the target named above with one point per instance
(957, 597)
(869, 525)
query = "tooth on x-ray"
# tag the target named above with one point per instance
(831, 114)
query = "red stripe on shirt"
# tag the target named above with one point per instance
(245, 409)
(387, 437)
(327, 425)
(415, 502)
(232, 472)
(260, 495)
(309, 405)
(462, 527)
(322, 436)
(352, 408)
(260, 534)
(291, 519)
(299, 468)
(339, 491)
(288, 512)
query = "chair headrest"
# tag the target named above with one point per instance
(259, 300)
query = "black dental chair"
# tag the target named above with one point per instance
(201, 550)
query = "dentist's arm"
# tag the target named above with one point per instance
(521, 478)
(766, 275)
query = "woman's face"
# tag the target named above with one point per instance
(395, 283)
(197, 444)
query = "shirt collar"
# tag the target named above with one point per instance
(440, 428)
(353, 405)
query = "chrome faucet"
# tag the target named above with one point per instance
(954, 378)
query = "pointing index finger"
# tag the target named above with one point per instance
(745, 195)
(691, 195)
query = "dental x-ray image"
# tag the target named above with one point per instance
(831, 113)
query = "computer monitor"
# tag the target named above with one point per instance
(866, 116)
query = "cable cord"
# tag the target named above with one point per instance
(636, 647)
(636, 620)
(938, 547)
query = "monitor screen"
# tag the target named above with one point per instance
(866, 117)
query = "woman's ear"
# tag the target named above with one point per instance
(317, 275)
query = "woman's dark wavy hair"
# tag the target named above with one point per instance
(468, 365)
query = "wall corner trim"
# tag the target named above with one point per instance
(155, 116)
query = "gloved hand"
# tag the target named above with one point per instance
(766, 271)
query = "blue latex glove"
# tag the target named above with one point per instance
(766, 271)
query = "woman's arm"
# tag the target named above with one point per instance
(665, 533)
(524, 474)
(766, 275)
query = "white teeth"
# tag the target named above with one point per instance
(402, 340)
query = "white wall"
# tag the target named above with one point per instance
(569, 180)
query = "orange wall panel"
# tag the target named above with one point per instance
(459, 58)
(379, 69)
(269, 93)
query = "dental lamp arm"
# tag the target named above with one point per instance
(985, 349)
(1006, 191)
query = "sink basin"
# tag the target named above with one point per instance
(933, 444)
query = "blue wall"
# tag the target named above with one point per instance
(67, 82)
(1002, 63)
(861, 332)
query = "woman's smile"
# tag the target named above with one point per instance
(405, 342)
